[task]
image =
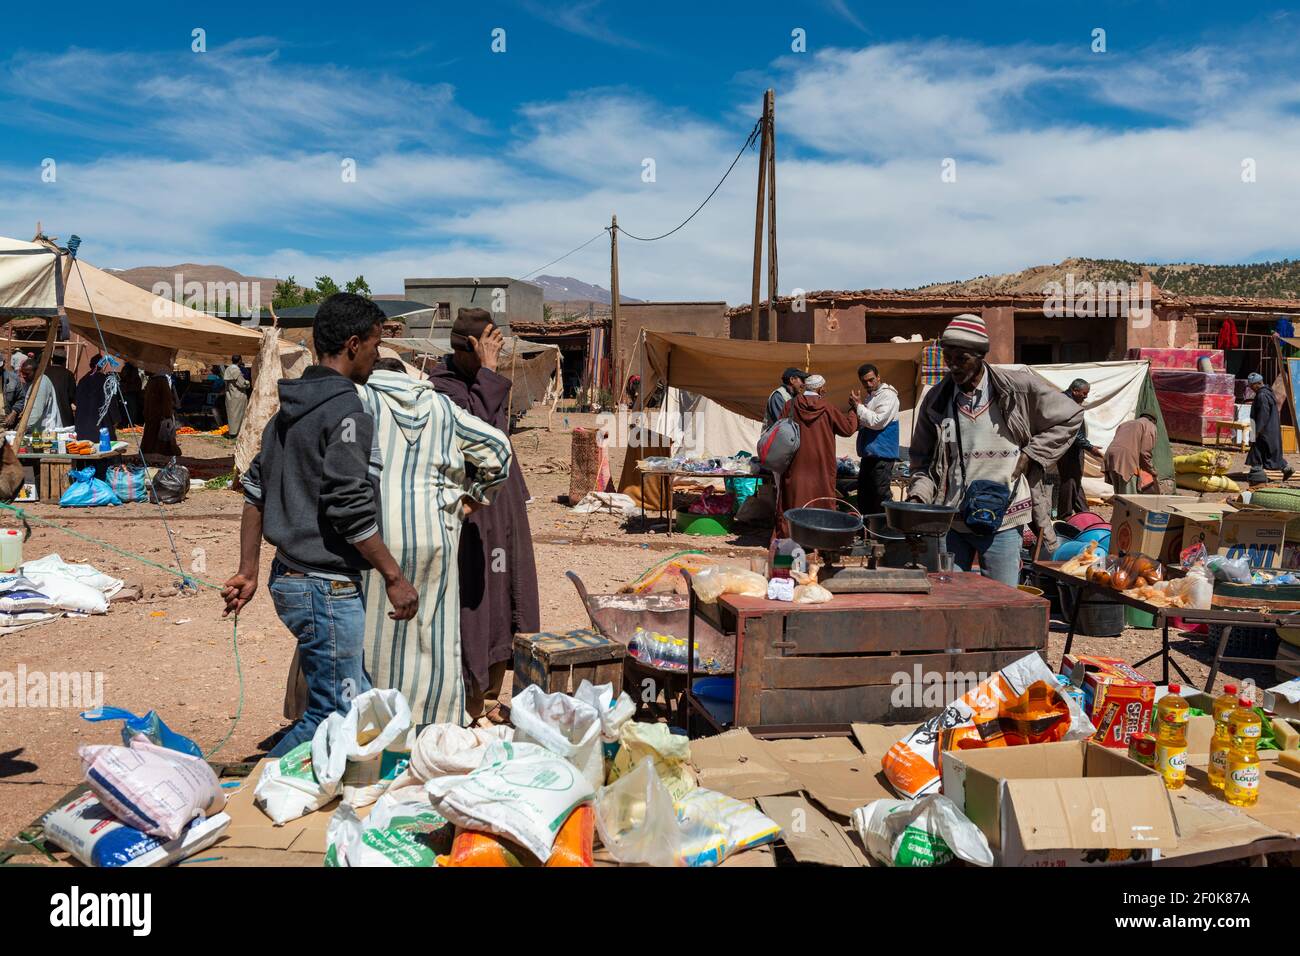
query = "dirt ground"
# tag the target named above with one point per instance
(173, 652)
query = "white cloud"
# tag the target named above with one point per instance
(861, 203)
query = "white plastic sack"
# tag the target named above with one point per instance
(89, 831)
(69, 594)
(367, 749)
(714, 826)
(85, 574)
(564, 725)
(711, 583)
(289, 787)
(666, 751)
(614, 713)
(152, 788)
(930, 831)
(522, 792)
(18, 593)
(610, 501)
(442, 750)
(400, 831)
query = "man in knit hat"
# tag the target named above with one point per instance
(985, 423)
(791, 386)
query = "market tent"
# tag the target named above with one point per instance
(1121, 391)
(740, 374)
(143, 327)
(302, 316)
(29, 279)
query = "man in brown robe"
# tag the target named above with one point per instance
(1128, 465)
(811, 474)
(498, 576)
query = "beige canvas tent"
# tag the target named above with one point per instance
(29, 279)
(532, 367)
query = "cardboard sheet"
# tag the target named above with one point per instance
(1207, 823)
(737, 764)
(812, 836)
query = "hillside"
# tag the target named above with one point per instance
(575, 291)
(146, 277)
(1277, 280)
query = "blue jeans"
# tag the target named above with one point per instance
(328, 618)
(999, 553)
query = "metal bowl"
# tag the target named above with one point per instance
(910, 517)
(823, 528)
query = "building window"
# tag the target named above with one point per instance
(444, 312)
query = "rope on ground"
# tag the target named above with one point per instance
(27, 516)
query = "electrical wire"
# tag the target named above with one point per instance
(528, 275)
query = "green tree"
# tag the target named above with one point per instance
(287, 294)
(325, 287)
(358, 286)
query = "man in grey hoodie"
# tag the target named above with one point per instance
(313, 492)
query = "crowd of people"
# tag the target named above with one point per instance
(403, 555)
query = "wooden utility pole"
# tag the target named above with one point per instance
(770, 106)
(766, 197)
(615, 364)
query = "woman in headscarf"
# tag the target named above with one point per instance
(811, 474)
(1266, 449)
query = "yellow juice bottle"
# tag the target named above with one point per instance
(1172, 714)
(1224, 705)
(1241, 782)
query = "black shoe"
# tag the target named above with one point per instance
(1287, 473)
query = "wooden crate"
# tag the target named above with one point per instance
(53, 479)
(561, 661)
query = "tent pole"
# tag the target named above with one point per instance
(52, 327)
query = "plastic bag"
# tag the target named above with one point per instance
(522, 792)
(666, 752)
(714, 826)
(912, 764)
(636, 819)
(811, 594)
(89, 831)
(403, 830)
(87, 491)
(86, 574)
(666, 575)
(614, 713)
(712, 583)
(129, 482)
(289, 787)
(152, 788)
(564, 725)
(1213, 483)
(573, 846)
(930, 831)
(172, 483)
(442, 750)
(1196, 587)
(712, 503)
(1236, 570)
(150, 725)
(67, 594)
(368, 748)
(18, 594)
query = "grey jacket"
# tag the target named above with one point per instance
(315, 480)
(1042, 420)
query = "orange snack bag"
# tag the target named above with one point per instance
(573, 845)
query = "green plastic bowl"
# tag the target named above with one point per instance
(710, 525)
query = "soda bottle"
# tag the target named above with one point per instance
(1172, 714)
(1224, 705)
(1241, 782)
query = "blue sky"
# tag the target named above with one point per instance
(475, 162)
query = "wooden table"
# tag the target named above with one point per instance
(1232, 427)
(50, 471)
(1162, 615)
(853, 658)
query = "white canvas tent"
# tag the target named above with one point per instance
(1113, 399)
(29, 279)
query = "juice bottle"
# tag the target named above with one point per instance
(1172, 714)
(1241, 782)
(1224, 705)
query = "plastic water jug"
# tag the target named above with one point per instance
(11, 550)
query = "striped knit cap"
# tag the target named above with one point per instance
(967, 331)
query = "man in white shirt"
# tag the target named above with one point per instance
(877, 413)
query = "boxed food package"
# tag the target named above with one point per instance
(1153, 524)
(1258, 534)
(1071, 803)
(1116, 698)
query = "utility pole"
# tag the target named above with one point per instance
(616, 364)
(765, 160)
(770, 106)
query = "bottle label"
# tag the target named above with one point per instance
(1219, 759)
(1246, 778)
(1249, 730)
(1174, 717)
(1171, 760)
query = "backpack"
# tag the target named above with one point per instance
(777, 445)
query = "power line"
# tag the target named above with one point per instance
(749, 141)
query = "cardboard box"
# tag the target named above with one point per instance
(1072, 803)
(1116, 698)
(1153, 524)
(1258, 534)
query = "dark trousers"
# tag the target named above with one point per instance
(874, 475)
(1070, 500)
